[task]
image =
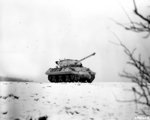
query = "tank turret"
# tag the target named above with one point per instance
(69, 70)
(72, 63)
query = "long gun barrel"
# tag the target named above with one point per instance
(87, 57)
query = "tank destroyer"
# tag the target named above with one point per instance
(69, 70)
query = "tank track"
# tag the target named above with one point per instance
(68, 78)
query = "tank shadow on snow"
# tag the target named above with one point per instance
(69, 70)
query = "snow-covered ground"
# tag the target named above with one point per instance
(66, 101)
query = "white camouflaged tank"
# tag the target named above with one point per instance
(69, 70)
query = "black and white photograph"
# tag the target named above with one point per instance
(74, 60)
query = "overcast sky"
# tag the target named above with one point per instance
(36, 33)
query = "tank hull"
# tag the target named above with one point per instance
(69, 76)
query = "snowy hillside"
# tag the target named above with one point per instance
(96, 101)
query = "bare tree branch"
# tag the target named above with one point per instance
(141, 75)
(141, 79)
(137, 26)
(138, 14)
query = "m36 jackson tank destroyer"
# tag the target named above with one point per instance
(69, 70)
